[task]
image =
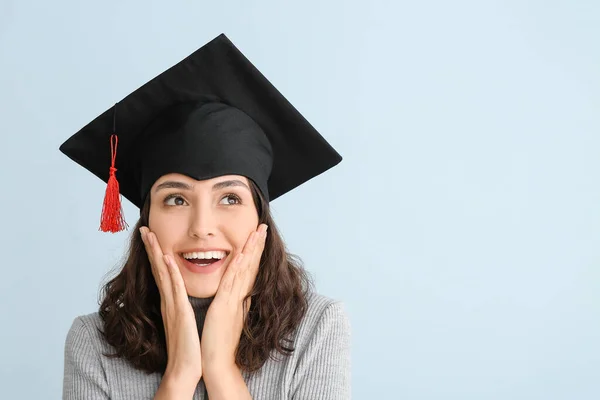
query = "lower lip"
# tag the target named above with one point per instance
(198, 269)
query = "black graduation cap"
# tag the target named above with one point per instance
(212, 114)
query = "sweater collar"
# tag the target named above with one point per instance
(200, 306)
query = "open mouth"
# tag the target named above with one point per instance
(204, 262)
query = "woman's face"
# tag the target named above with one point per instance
(191, 217)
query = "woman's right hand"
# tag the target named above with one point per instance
(184, 365)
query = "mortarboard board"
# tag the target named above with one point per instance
(212, 114)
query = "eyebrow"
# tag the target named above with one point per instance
(185, 186)
(230, 183)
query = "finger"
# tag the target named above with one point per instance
(160, 270)
(234, 280)
(246, 270)
(234, 267)
(252, 241)
(250, 270)
(179, 290)
(160, 276)
(228, 278)
(144, 234)
(150, 254)
(259, 248)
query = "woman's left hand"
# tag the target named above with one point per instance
(225, 316)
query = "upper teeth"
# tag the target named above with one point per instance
(205, 255)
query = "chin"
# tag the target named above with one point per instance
(201, 291)
(201, 285)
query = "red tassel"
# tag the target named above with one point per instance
(112, 219)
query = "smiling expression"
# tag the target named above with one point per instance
(194, 218)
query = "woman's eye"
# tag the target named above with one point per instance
(174, 201)
(230, 199)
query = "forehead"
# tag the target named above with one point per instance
(194, 182)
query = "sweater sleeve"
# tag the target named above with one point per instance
(323, 370)
(84, 376)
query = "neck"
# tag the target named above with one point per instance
(200, 307)
(200, 302)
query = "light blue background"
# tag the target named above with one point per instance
(462, 229)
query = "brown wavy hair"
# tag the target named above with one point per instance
(130, 306)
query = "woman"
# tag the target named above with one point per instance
(208, 304)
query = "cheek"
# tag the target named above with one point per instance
(167, 228)
(239, 229)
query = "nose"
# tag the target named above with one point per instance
(202, 224)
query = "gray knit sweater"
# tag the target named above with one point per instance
(319, 368)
